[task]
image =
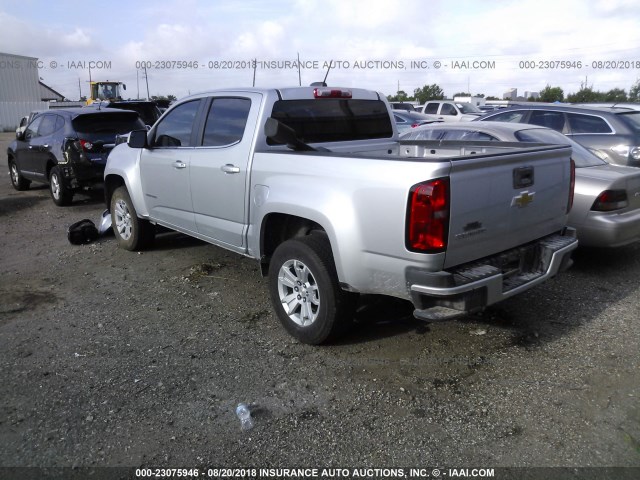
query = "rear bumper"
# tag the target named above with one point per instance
(610, 229)
(475, 285)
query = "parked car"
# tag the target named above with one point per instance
(613, 133)
(606, 206)
(67, 148)
(450, 111)
(148, 111)
(407, 120)
(403, 106)
(24, 121)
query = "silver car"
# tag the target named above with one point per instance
(606, 207)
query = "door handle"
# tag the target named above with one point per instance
(178, 164)
(228, 168)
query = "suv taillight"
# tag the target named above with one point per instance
(86, 145)
(610, 200)
(572, 187)
(428, 216)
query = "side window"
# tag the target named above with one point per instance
(552, 120)
(47, 126)
(226, 121)
(175, 129)
(399, 119)
(448, 109)
(513, 117)
(587, 124)
(32, 129)
(59, 122)
(431, 108)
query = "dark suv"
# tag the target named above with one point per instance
(67, 148)
(612, 133)
(148, 111)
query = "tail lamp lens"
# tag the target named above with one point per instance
(428, 216)
(86, 145)
(610, 200)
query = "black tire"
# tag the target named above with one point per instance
(17, 180)
(61, 195)
(302, 270)
(132, 233)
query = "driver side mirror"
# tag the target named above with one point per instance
(20, 136)
(138, 139)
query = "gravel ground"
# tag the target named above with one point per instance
(114, 358)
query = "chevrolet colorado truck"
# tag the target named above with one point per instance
(314, 184)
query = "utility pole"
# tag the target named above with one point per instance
(79, 89)
(138, 83)
(146, 77)
(299, 76)
(255, 64)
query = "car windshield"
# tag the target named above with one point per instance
(632, 119)
(581, 156)
(468, 108)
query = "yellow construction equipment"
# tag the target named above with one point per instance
(105, 91)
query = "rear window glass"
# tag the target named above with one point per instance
(334, 120)
(148, 112)
(632, 119)
(587, 124)
(581, 156)
(108, 124)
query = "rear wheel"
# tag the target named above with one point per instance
(17, 180)
(132, 233)
(305, 292)
(61, 195)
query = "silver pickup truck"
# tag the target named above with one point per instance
(314, 184)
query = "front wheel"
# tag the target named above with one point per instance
(304, 290)
(60, 194)
(132, 233)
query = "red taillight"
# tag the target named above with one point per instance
(610, 200)
(86, 145)
(414, 125)
(331, 93)
(428, 216)
(573, 186)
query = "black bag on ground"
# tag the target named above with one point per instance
(84, 231)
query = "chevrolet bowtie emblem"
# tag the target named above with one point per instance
(522, 200)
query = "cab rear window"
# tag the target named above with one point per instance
(334, 120)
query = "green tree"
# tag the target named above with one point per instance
(585, 95)
(428, 92)
(634, 92)
(491, 97)
(400, 96)
(462, 94)
(551, 94)
(616, 95)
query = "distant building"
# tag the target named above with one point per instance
(534, 95)
(48, 94)
(19, 89)
(510, 94)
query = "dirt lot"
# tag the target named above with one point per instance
(114, 358)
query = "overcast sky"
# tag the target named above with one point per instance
(462, 45)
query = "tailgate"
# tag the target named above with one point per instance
(504, 200)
